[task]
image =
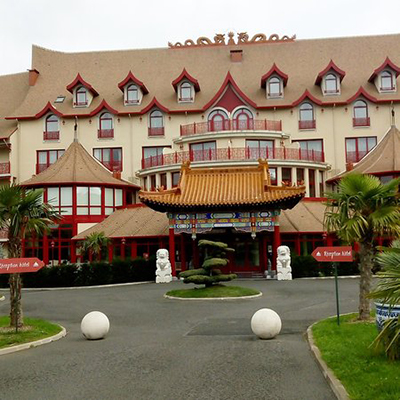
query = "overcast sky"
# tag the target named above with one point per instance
(85, 25)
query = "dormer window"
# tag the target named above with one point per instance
(274, 88)
(81, 98)
(387, 82)
(82, 91)
(132, 95)
(331, 84)
(185, 93)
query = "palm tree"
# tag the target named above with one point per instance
(22, 212)
(94, 243)
(362, 209)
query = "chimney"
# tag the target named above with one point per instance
(117, 175)
(33, 75)
(236, 55)
(349, 166)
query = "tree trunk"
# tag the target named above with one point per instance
(366, 264)
(16, 316)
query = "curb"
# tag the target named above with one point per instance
(253, 296)
(336, 386)
(331, 277)
(36, 343)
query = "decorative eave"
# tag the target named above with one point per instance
(229, 80)
(154, 103)
(185, 75)
(307, 95)
(386, 64)
(80, 81)
(132, 78)
(362, 92)
(274, 70)
(103, 105)
(330, 67)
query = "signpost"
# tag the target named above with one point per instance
(334, 254)
(20, 265)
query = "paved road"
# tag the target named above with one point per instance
(175, 350)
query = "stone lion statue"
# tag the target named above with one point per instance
(163, 272)
(283, 268)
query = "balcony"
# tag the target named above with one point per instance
(105, 133)
(234, 154)
(231, 125)
(113, 166)
(361, 121)
(5, 168)
(55, 135)
(156, 131)
(307, 124)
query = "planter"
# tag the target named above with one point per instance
(384, 312)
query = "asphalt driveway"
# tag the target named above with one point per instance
(175, 350)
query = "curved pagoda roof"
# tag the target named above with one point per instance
(76, 166)
(223, 188)
(384, 158)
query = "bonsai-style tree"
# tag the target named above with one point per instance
(95, 243)
(209, 273)
(361, 210)
(22, 213)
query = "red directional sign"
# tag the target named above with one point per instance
(333, 254)
(19, 265)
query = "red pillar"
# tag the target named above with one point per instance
(110, 252)
(277, 243)
(134, 249)
(172, 250)
(73, 252)
(123, 245)
(45, 249)
(183, 253)
(297, 244)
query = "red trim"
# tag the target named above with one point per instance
(132, 78)
(331, 66)
(185, 75)
(362, 92)
(385, 64)
(80, 80)
(318, 199)
(48, 108)
(100, 184)
(101, 106)
(304, 96)
(229, 79)
(274, 70)
(154, 104)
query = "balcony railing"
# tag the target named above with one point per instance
(355, 156)
(238, 154)
(105, 133)
(361, 121)
(307, 124)
(231, 125)
(55, 135)
(4, 168)
(114, 166)
(153, 131)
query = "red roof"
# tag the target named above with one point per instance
(132, 78)
(80, 81)
(48, 108)
(362, 92)
(185, 75)
(386, 64)
(330, 67)
(274, 70)
(309, 96)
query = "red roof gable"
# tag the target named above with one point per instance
(386, 64)
(185, 75)
(330, 67)
(48, 108)
(309, 96)
(132, 78)
(362, 92)
(154, 103)
(80, 81)
(101, 106)
(274, 70)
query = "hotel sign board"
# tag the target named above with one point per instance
(333, 254)
(20, 265)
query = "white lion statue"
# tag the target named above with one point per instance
(283, 268)
(163, 272)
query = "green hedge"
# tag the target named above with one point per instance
(87, 274)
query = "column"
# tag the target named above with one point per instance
(279, 176)
(317, 182)
(277, 242)
(169, 180)
(294, 176)
(158, 180)
(172, 250)
(183, 253)
(45, 249)
(307, 182)
(73, 251)
(110, 252)
(134, 249)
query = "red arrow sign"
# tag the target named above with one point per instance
(333, 254)
(19, 265)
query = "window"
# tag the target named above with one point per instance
(52, 128)
(88, 200)
(218, 121)
(106, 128)
(360, 114)
(307, 120)
(132, 95)
(81, 96)
(185, 92)
(256, 149)
(287, 176)
(152, 156)
(156, 127)
(274, 87)
(153, 183)
(205, 151)
(243, 119)
(331, 84)
(357, 148)
(47, 157)
(113, 199)
(311, 182)
(321, 184)
(300, 176)
(111, 158)
(273, 175)
(175, 178)
(163, 180)
(311, 149)
(387, 81)
(61, 199)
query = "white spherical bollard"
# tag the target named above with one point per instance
(266, 323)
(95, 325)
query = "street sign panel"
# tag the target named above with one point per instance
(20, 265)
(333, 254)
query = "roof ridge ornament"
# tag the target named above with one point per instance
(242, 38)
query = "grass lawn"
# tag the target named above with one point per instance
(33, 329)
(213, 292)
(345, 349)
